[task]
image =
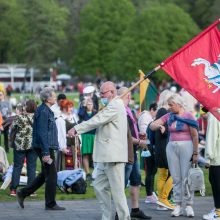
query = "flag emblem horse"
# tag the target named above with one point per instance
(211, 71)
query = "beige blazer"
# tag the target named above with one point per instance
(111, 132)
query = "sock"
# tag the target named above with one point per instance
(135, 210)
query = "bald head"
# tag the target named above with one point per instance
(108, 85)
(108, 90)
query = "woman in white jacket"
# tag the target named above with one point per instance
(64, 122)
(212, 154)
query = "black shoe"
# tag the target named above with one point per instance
(116, 216)
(55, 208)
(139, 215)
(20, 199)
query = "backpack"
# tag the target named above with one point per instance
(71, 181)
(195, 181)
(79, 187)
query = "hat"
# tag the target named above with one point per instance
(173, 89)
(88, 89)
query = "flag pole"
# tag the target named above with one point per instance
(146, 76)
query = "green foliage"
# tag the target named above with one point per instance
(72, 28)
(202, 11)
(13, 32)
(111, 37)
(46, 24)
(102, 25)
(149, 40)
(4, 194)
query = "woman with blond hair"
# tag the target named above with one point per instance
(181, 149)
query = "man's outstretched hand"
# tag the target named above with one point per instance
(72, 132)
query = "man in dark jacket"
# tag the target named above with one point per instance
(45, 141)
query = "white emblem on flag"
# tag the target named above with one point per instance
(211, 71)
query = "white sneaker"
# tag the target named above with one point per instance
(155, 195)
(189, 211)
(177, 211)
(161, 208)
(151, 199)
(212, 215)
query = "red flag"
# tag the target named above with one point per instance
(196, 67)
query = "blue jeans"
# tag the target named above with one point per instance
(128, 169)
(19, 156)
(132, 173)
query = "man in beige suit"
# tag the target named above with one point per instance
(110, 151)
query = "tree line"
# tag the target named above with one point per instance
(90, 37)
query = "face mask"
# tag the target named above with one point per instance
(104, 101)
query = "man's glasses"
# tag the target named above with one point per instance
(103, 93)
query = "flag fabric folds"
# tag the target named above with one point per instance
(143, 88)
(196, 67)
(148, 93)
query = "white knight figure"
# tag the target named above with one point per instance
(211, 71)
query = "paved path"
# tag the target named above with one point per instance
(88, 210)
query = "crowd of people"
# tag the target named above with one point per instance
(171, 135)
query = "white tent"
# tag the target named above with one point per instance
(63, 77)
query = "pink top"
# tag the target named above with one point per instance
(175, 135)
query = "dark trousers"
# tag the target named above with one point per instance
(151, 170)
(214, 179)
(5, 133)
(19, 156)
(48, 176)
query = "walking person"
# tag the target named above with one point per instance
(181, 148)
(110, 152)
(44, 142)
(212, 155)
(132, 171)
(22, 146)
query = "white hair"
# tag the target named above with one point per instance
(177, 99)
(162, 103)
(46, 93)
(122, 90)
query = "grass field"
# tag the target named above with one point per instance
(4, 194)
